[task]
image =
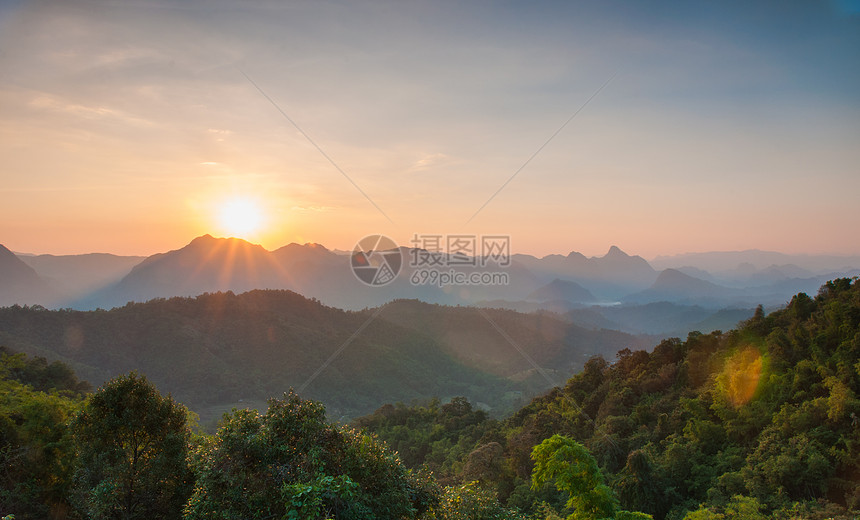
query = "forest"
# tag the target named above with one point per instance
(217, 351)
(758, 422)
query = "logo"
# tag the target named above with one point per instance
(376, 260)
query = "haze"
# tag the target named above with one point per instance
(126, 127)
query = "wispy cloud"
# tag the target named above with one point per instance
(430, 161)
(57, 104)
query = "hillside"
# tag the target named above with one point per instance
(763, 418)
(221, 350)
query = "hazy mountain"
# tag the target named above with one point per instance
(674, 286)
(77, 275)
(206, 264)
(610, 276)
(718, 261)
(214, 350)
(20, 284)
(562, 290)
(723, 319)
(660, 318)
(210, 264)
(695, 272)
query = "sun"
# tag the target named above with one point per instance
(240, 217)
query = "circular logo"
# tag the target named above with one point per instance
(376, 260)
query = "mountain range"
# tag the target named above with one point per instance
(556, 283)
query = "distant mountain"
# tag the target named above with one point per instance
(19, 283)
(718, 261)
(76, 275)
(778, 273)
(221, 350)
(674, 286)
(562, 290)
(723, 319)
(663, 319)
(695, 272)
(209, 264)
(610, 276)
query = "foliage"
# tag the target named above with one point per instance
(740, 508)
(36, 450)
(471, 502)
(40, 375)
(291, 463)
(132, 449)
(433, 435)
(769, 412)
(573, 470)
(758, 422)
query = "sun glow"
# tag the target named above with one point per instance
(241, 217)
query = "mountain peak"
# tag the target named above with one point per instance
(615, 251)
(208, 241)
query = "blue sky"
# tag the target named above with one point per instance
(726, 125)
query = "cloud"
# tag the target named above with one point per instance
(429, 161)
(312, 208)
(53, 103)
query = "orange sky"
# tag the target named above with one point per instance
(126, 128)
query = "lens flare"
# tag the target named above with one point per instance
(740, 377)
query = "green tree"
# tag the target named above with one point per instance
(739, 508)
(132, 449)
(291, 463)
(37, 401)
(36, 451)
(471, 502)
(639, 487)
(574, 470)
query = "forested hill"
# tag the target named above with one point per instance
(221, 350)
(763, 421)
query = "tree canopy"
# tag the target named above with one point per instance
(132, 447)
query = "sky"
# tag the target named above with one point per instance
(659, 127)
